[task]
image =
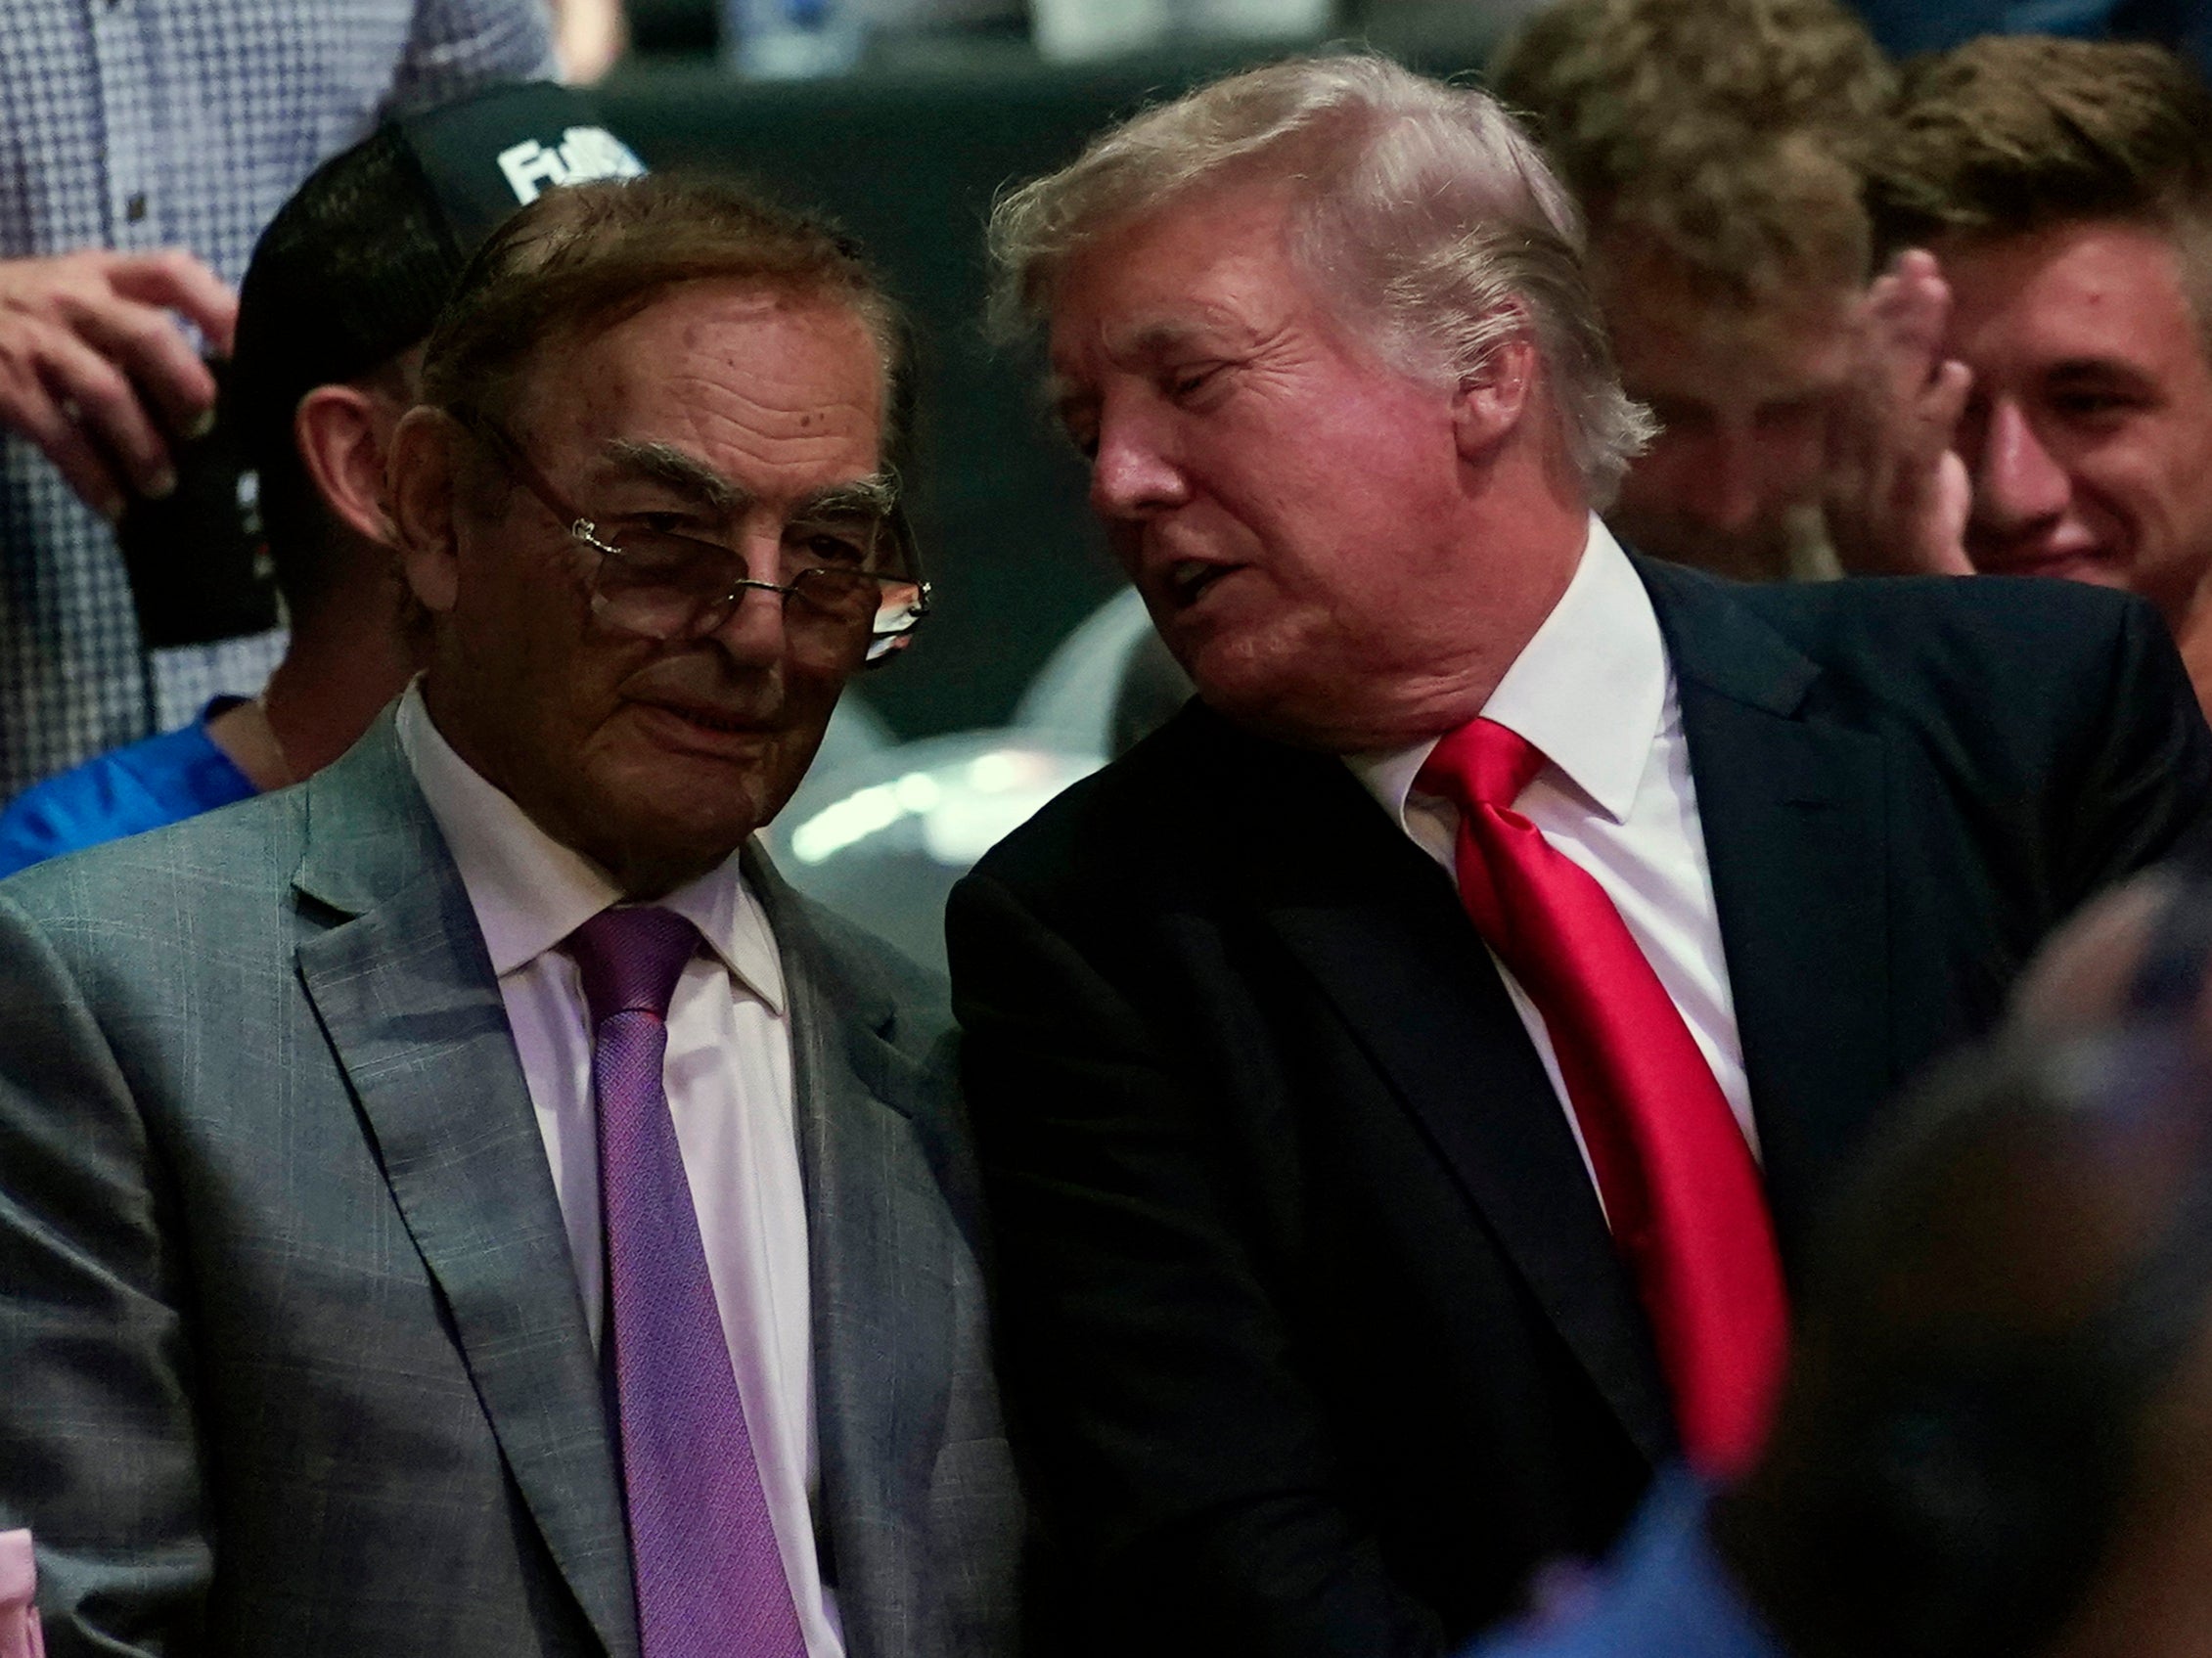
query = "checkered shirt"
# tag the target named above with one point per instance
(140, 124)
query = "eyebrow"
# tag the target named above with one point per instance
(872, 496)
(2097, 368)
(1148, 341)
(665, 464)
(1157, 338)
(1059, 398)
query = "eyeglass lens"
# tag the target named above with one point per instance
(667, 586)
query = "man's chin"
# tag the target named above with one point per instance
(1289, 684)
(650, 859)
(1292, 711)
(656, 833)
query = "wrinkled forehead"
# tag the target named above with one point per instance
(1211, 262)
(750, 340)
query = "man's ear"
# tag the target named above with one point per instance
(1491, 398)
(341, 434)
(420, 493)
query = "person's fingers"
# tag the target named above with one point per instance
(1890, 491)
(1945, 398)
(147, 344)
(108, 411)
(1880, 296)
(175, 281)
(1860, 414)
(1926, 299)
(1906, 312)
(28, 406)
(1914, 268)
(1878, 317)
(1947, 516)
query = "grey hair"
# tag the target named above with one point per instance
(1421, 207)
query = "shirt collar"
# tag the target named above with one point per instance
(1587, 689)
(530, 892)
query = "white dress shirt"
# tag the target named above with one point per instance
(1594, 691)
(728, 1076)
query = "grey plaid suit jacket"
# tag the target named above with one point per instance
(291, 1358)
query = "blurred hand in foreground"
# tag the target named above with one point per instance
(1897, 492)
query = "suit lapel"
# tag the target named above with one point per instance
(880, 1263)
(1793, 811)
(1379, 927)
(407, 996)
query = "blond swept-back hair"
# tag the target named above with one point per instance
(1730, 136)
(1420, 207)
(2016, 133)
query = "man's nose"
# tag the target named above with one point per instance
(752, 633)
(1133, 472)
(2017, 483)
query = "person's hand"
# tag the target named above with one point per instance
(95, 370)
(1897, 492)
(589, 37)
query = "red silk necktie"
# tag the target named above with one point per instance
(1682, 1193)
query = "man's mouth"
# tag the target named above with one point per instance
(2040, 558)
(1188, 579)
(716, 725)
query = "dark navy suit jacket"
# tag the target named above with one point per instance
(1311, 1326)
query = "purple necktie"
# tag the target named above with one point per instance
(709, 1581)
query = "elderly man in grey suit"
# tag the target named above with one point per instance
(467, 1204)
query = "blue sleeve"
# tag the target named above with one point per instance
(1665, 1593)
(128, 790)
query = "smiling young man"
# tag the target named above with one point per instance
(1405, 1080)
(2064, 192)
(467, 1204)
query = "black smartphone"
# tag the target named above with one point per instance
(198, 561)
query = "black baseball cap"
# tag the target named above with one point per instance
(355, 266)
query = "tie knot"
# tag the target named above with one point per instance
(1482, 764)
(631, 959)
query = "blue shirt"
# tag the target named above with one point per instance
(138, 124)
(162, 780)
(1663, 1595)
